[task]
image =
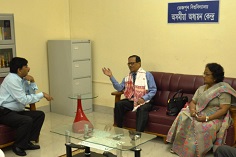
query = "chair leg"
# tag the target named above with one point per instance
(164, 140)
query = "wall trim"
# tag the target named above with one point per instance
(103, 109)
(96, 108)
(45, 108)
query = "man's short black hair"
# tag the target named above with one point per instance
(217, 71)
(17, 63)
(138, 59)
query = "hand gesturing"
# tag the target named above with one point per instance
(107, 71)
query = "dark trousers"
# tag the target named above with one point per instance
(122, 106)
(27, 124)
(225, 151)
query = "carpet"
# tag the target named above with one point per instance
(80, 153)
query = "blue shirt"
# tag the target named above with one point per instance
(16, 92)
(152, 89)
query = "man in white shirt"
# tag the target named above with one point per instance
(16, 91)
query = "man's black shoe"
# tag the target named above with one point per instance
(31, 146)
(18, 151)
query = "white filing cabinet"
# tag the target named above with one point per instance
(70, 74)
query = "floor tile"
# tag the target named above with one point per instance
(53, 145)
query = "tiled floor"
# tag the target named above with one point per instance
(52, 145)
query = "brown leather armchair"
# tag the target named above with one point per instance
(7, 134)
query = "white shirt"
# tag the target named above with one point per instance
(16, 92)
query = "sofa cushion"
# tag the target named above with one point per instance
(7, 134)
(4, 128)
(159, 116)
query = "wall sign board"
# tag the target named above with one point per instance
(193, 12)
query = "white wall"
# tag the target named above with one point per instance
(35, 23)
(121, 28)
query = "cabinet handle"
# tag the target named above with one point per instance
(76, 48)
(77, 66)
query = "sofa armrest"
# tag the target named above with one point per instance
(232, 110)
(31, 107)
(117, 95)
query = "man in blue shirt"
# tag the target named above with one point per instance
(16, 91)
(139, 88)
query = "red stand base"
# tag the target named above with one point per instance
(80, 119)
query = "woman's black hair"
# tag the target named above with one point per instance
(17, 63)
(217, 71)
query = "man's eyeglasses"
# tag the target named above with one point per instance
(206, 74)
(131, 63)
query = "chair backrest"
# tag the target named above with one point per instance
(169, 83)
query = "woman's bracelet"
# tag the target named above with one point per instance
(207, 118)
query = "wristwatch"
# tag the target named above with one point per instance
(207, 118)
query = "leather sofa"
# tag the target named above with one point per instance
(7, 134)
(167, 84)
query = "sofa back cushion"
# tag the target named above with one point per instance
(169, 83)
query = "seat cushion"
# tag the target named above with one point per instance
(230, 136)
(4, 128)
(7, 134)
(155, 117)
(159, 116)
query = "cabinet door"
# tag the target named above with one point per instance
(82, 86)
(81, 68)
(7, 52)
(7, 29)
(81, 51)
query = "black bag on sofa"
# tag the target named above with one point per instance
(176, 103)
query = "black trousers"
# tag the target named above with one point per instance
(27, 124)
(122, 106)
(225, 151)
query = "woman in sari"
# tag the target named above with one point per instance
(202, 125)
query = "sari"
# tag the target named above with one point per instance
(191, 138)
